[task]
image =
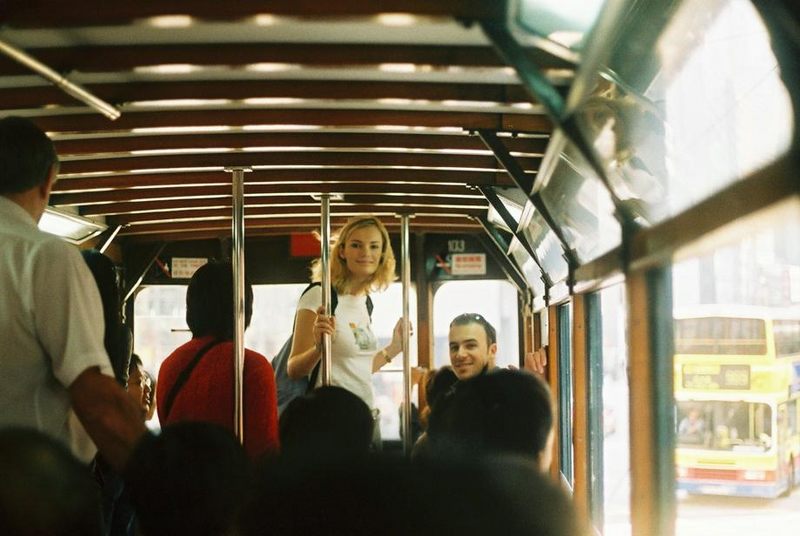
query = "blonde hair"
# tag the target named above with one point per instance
(340, 275)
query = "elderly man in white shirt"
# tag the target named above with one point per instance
(55, 375)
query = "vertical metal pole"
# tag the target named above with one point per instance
(237, 260)
(325, 225)
(406, 279)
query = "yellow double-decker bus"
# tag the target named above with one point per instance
(737, 384)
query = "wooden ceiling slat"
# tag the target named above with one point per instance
(291, 139)
(460, 226)
(120, 93)
(177, 205)
(185, 118)
(286, 225)
(88, 200)
(105, 58)
(26, 13)
(255, 212)
(360, 159)
(315, 176)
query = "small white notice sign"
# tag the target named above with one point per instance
(468, 263)
(185, 267)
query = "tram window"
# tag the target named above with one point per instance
(494, 300)
(160, 320)
(736, 393)
(580, 205)
(565, 402)
(693, 120)
(615, 452)
(388, 383)
(533, 274)
(545, 243)
(159, 323)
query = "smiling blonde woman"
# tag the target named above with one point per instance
(362, 261)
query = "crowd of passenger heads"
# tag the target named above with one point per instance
(485, 465)
(490, 441)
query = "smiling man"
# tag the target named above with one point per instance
(473, 345)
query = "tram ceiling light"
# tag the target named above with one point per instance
(333, 196)
(71, 227)
(68, 87)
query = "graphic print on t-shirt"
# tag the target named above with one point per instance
(363, 336)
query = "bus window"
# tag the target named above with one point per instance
(737, 374)
(494, 300)
(736, 426)
(615, 451)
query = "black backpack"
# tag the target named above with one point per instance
(288, 388)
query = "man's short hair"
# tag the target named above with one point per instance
(209, 301)
(329, 424)
(465, 319)
(501, 412)
(26, 155)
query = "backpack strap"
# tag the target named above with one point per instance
(183, 377)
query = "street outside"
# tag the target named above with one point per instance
(697, 515)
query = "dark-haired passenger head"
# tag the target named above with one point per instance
(437, 384)
(502, 412)
(117, 337)
(44, 489)
(209, 301)
(27, 155)
(190, 479)
(329, 424)
(472, 341)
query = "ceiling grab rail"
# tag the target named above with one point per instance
(65, 85)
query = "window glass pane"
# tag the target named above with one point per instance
(159, 323)
(388, 383)
(566, 22)
(616, 453)
(694, 110)
(545, 244)
(273, 314)
(565, 402)
(496, 301)
(737, 380)
(580, 205)
(513, 199)
(531, 270)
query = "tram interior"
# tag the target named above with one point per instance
(579, 173)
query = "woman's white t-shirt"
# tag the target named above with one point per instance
(353, 346)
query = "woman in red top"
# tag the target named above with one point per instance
(208, 392)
